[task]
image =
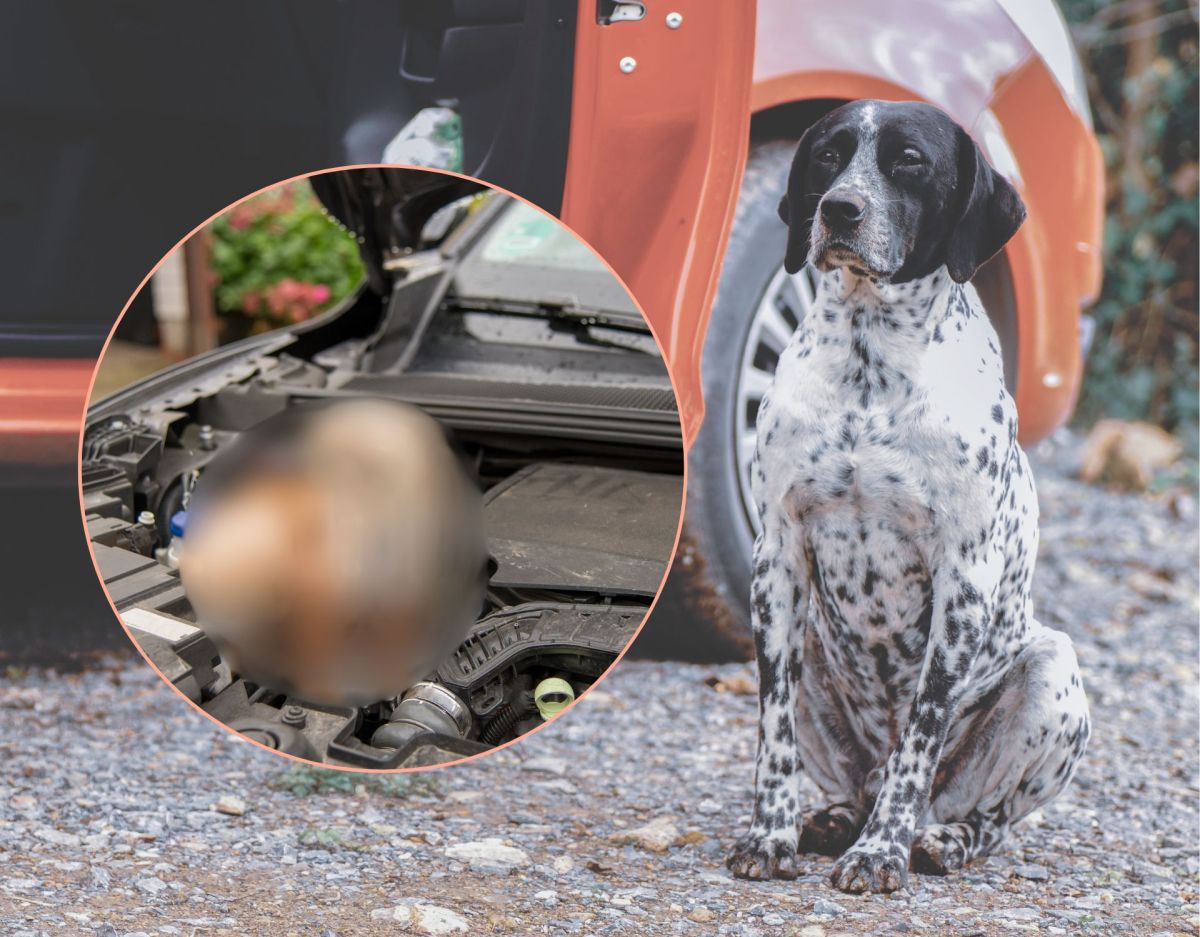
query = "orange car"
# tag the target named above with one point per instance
(643, 124)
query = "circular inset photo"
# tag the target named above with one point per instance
(382, 468)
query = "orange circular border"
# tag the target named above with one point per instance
(92, 553)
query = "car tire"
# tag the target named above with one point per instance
(703, 613)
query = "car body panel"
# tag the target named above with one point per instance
(955, 65)
(1056, 259)
(41, 406)
(654, 163)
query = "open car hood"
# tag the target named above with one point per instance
(387, 209)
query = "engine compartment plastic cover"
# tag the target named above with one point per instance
(563, 526)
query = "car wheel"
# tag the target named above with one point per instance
(704, 611)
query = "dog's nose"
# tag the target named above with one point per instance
(843, 209)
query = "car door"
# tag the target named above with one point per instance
(660, 118)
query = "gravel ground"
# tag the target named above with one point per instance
(615, 821)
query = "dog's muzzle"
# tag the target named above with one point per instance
(846, 235)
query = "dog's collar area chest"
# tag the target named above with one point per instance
(850, 306)
(843, 284)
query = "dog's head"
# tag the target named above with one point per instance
(894, 190)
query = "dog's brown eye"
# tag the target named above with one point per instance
(910, 157)
(827, 155)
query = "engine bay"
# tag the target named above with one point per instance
(563, 413)
(582, 488)
(577, 554)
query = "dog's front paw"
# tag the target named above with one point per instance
(871, 868)
(759, 856)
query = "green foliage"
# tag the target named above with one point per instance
(1140, 61)
(278, 258)
(307, 780)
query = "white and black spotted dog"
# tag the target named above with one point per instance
(900, 664)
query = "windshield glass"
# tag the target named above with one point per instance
(526, 236)
(527, 256)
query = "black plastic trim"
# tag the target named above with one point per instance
(18, 342)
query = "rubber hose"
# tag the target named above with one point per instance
(507, 716)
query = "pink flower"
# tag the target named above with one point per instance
(277, 300)
(242, 216)
(290, 290)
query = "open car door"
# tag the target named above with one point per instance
(660, 117)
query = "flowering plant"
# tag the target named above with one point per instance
(278, 258)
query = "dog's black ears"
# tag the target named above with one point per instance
(798, 236)
(988, 212)
(796, 209)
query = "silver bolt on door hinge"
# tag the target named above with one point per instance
(628, 64)
(674, 20)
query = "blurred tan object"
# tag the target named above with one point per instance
(1127, 454)
(347, 565)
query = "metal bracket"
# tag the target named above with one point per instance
(619, 11)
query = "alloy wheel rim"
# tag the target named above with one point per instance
(784, 304)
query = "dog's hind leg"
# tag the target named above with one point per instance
(1013, 750)
(835, 760)
(942, 848)
(831, 830)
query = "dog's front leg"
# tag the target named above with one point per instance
(962, 601)
(778, 614)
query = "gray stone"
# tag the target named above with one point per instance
(490, 855)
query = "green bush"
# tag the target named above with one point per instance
(278, 258)
(1140, 61)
